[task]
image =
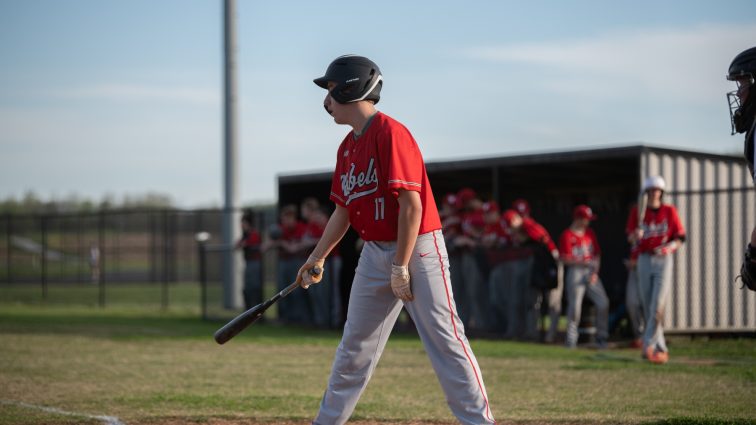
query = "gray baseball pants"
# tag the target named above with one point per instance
(654, 284)
(633, 303)
(577, 282)
(373, 310)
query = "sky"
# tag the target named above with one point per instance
(120, 98)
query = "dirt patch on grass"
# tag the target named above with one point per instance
(177, 421)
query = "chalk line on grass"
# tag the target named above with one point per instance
(108, 420)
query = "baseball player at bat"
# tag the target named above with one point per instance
(380, 188)
(657, 236)
(742, 72)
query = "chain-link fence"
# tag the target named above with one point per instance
(151, 258)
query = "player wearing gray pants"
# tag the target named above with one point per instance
(579, 249)
(381, 189)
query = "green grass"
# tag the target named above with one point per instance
(146, 366)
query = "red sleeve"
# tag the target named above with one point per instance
(537, 232)
(403, 163)
(632, 220)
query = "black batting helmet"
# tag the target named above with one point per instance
(744, 65)
(743, 70)
(356, 78)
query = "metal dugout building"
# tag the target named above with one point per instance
(713, 193)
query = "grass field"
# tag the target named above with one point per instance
(67, 364)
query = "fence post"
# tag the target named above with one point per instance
(166, 256)
(103, 263)
(43, 253)
(9, 246)
(201, 239)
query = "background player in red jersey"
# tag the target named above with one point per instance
(523, 300)
(294, 308)
(580, 251)
(250, 244)
(380, 188)
(659, 235)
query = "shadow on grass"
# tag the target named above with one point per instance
(144, 325)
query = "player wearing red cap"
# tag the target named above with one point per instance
(580, 252)
(380, 188)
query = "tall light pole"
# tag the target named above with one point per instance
(231, 213)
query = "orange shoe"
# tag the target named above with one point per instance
(658, 357)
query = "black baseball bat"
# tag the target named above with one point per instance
(242, 321)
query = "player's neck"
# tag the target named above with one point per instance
(360, 116)
(578, 229)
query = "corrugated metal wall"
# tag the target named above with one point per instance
(716, 200)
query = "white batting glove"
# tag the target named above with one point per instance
(305, 276)
(400, 282)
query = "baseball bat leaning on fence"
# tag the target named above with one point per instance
(242, 321)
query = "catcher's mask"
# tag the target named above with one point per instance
(742, 71)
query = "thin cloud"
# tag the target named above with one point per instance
(689, 63)
(143, 93)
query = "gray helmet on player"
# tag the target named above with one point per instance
(356, 78)
(742, 70)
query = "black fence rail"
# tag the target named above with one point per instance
(150, 249)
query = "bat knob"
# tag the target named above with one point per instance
(316, 271)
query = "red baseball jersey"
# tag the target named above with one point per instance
(294, 233)
(473, 223)
(660, 226)
(250, 242)
(314, 230)
(579, 247)
(495, 234)
(369, 173)
(452, 224)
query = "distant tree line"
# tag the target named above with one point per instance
(31, 203)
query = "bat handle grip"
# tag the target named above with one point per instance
(286, 291)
